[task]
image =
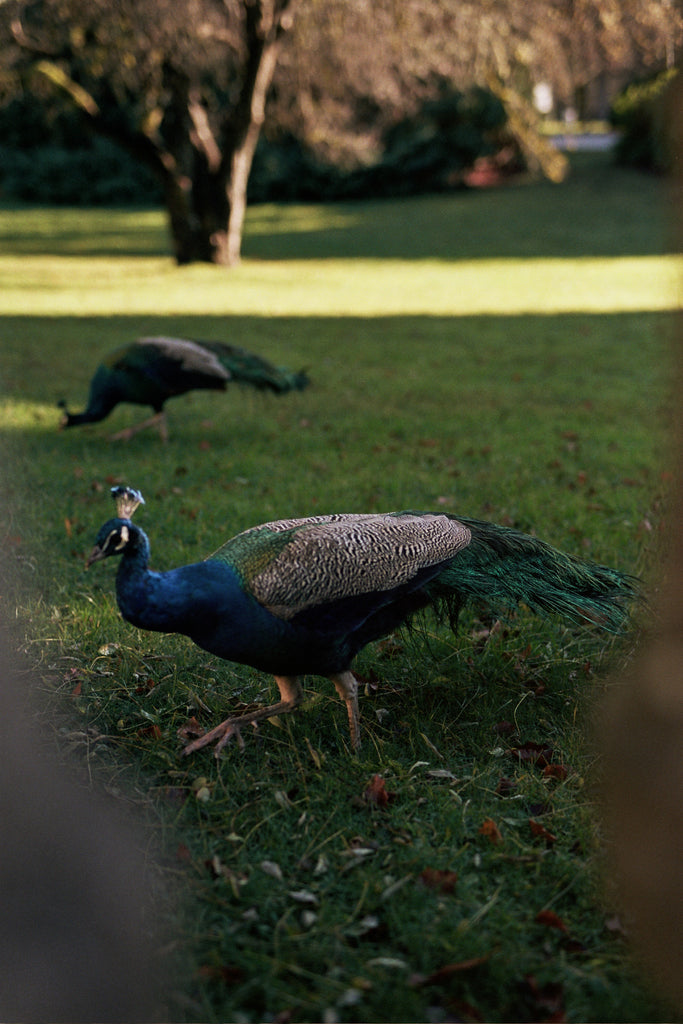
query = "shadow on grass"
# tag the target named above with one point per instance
(582, 217)
(583, 354)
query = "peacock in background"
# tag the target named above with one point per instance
(302, 596)
(152, 370)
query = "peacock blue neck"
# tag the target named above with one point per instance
(105, 393)
(203, 600)
(135, 583)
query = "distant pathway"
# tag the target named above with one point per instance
(596, 141)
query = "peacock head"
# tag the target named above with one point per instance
(113, 537)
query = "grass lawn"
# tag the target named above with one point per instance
(501, 354)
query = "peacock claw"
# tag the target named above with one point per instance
(224, 733)
(232, 730)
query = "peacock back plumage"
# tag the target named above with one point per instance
(458, 559)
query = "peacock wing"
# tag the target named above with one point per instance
(293, 565)
(176, 365)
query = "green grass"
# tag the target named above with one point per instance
(502, 354)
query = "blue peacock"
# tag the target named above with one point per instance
(152, 370)
(302, 596)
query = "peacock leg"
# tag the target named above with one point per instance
(158, 420)
(346, 686)
(291, 696)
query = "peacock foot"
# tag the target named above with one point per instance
(291, 694)
(158, 420)
(223, 733)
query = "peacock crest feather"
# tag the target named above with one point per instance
(126, 499)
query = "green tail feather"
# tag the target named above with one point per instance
(247, 368)
(504, 567)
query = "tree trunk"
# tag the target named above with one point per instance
(198, 213)
(203, 168)
(207, 207)
(264, 30)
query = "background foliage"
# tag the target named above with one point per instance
(365, 99)
(641, 113)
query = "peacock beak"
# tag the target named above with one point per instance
(96, 555)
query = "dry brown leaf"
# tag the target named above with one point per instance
(551, 920)
(541, 832)
(556, 771)
(489, 829)
(530, 752)
(190, 729)
(376, 792)
(443, 973)
(437, 878)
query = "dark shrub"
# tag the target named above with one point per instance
(640, 114)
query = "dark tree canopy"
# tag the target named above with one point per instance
(351, 69)
(180, 84)
(185, 85)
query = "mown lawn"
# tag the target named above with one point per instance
(503, 354)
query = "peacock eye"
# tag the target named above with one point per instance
(117, 539)
(124, 535)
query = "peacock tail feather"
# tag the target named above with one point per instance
(247, 368)
(505, 567)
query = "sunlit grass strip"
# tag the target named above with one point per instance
(73, 286)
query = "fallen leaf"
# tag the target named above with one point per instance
(219, 869)
(106, 650)
(272, 869)
(438, 878)
(504, 728)
(489, 829)
(190, 729)
(376, 792)
(388, 961)
(550, 919)
(548, 999)
(541, 832)
(144, 686)
(152, 730)
(530, 752)
(443, 973)
(556, 771)
(505, 786)
(303, 896)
